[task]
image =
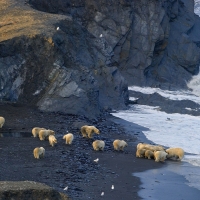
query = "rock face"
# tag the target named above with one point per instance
(79, 56)
(22, 190)
(153, 43)
(58, 70)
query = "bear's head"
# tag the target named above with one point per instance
(124, 143)
(96, 130)
(52, 132)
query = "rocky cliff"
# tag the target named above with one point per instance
(79, 56)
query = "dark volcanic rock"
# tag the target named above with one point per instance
(57, 70)
(23, 190)
(167, 105)
(73, 60)
(153, 43)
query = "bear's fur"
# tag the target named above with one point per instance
(87, 131)
(43, 134)
(140, 153)
(160, 156)
(150, 147)
(119, 145)
(36, 130)
(175, 153)
(68, 138)
(149, 154)
(38, 152)
(52, 140)
(98, 145)
(2, 121)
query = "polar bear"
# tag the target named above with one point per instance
(150, 147)
(160, 156)
(38, 152)
(175, 152)
(87, 131)
(149, 154)
(98, 145)
(52, 140)
(119, 145)
(45, 133)
(2, 121)
(36, 130)
(140, 153)
(68, 138)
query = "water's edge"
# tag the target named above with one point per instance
(173, 178)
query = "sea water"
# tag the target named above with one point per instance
(171, 130)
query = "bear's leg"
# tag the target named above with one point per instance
(84, 135)
(90, 134)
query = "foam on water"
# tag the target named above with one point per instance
(170, 130)
(197, 7)
(173, 95)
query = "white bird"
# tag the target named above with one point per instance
(66, 188)
(101, 35)
(112, 187)
(57, 28)
(102, 193)
(96, 160)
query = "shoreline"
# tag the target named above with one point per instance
(74, 165)
(167, 181)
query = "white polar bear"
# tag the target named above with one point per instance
(43, 134)
(39, 152)
(150, 147)
(149, 154)
(98, 145)
(175, 152)
(36, 130)
(140, 153)
(119, 145)
(2, 121)
(68, 138)
(52, 140)
(160, 156)
(87, 131)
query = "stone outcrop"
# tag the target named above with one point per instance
(153, 43)
(58, 70)
(23, 190)
(79, 56)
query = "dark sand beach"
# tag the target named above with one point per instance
(74, 165)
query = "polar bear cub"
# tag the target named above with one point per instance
(98, 145)
(45, 133)
(2, 121)
(68, 138)
(119, 145)
(38, 152)
(160, 156)
(36, 130)
(176, 153)
(88, 131)
(149, 154)
(52, 140)
(140, 153)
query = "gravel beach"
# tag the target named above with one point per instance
(74, 165)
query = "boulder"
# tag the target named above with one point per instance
(23, 190)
